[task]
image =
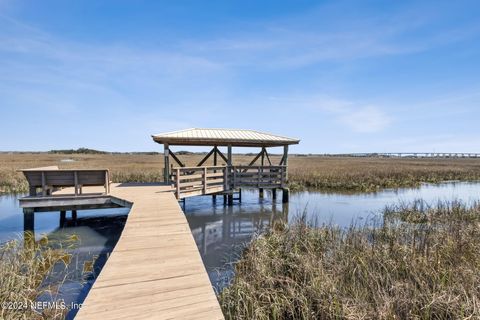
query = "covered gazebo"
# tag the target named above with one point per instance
(232, 176)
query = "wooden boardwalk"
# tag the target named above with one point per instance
(155, 271)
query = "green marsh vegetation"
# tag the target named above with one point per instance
(415, 262)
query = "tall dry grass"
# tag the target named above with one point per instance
(313, 172)
(420, 262)
(371, 174)
(23, 271)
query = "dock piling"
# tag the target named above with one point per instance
(285, 195)
(28, 228)
(63, 218)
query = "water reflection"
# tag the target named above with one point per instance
(97, 236)
(97, 232)
(221, 232)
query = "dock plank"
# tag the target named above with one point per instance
(155, 270)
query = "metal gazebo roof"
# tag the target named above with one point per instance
(223, 137)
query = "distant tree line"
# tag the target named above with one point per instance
(78, 151)
(93, 151)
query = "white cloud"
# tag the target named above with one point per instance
(365, 119)
(356, 116)
(313, 38)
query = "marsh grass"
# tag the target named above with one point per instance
(345, 174)
(23, 274)
(12, 182)
(418, 262)
(372, 174)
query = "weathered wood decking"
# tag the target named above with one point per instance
(155, 270)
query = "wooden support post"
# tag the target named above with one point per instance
(75, 179)
(263, 156)
(274, 193)
(234, 179)
(285, 195)
(177, 183)
(74, 215)
(229, 168)
(28, 228)
(107, 182)
(166, 159)
(229, 155)
(240, 195)
(258, 177)
(215, 154)
(63, 217)
(205, 180)
(44, 185)
(28, 219)
(226, 185)
(230, 199)
(224, 199)
(285, 160)
(260, 173)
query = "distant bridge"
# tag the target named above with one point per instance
(412, 155)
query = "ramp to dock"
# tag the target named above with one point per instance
(155, 270)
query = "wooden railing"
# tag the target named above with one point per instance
(259, 176)
(194, 181)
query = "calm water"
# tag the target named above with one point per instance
(219, 231)
(97, 231)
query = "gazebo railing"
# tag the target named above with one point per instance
(194, 181)
(259, 176)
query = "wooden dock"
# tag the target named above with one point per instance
(155, 270)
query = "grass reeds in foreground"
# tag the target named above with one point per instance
(23, 271)
(420, 262)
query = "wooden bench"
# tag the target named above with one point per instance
(49, 178)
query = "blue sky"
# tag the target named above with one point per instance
(342, 76)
